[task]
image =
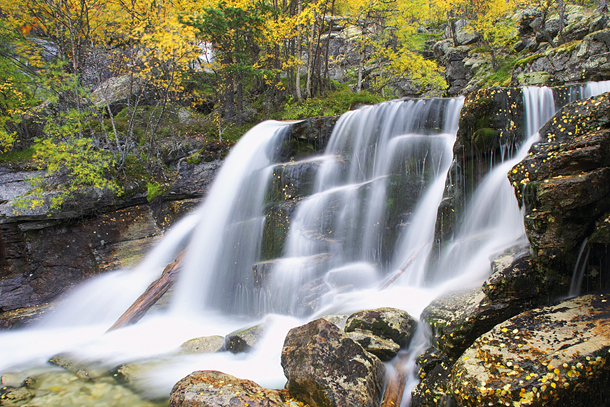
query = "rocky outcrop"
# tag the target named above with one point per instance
(216, 389)
(588, 60)
(555, 355)
(564, 186)
(325, 368)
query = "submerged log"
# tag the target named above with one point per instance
(152, 294)
(399, 272)
(395, 384)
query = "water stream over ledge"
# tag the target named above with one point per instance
(372, 210)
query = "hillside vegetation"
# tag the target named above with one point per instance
(104, 92)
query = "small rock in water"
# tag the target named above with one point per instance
(216, 389)
(244, 340)
(206, 344)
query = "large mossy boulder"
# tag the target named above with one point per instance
(216, 389)
(564, 185)
(325, 368)
(556, 355)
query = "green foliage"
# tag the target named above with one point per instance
(155, 190)
(335, 103)
(502, 76)
(17, 156)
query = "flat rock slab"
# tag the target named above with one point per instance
(205, 344)
(210, 388)
(555, 355)
(388, 323)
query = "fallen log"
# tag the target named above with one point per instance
(395, 384)
(152, 294)
(401, 270)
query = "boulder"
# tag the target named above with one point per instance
(116, 90)
(208, 388)
(465, 37)
(206, 344)
(245, 339)
(326, 368)
(388, 323)
(556, 355)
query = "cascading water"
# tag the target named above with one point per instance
(371, 213)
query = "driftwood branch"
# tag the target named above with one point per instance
(395, 384)
(152, 294)
(401, 270)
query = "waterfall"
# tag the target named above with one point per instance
(371, 212)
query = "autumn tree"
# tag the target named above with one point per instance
(235, 33)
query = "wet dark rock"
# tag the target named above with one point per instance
(491, 119)
(556, 355)
(314, 131)
(216, 389)
(384, 349)
(24, 316)
(275, 231)
(564, 185)
(434, 384)
(309, 295)
(457, 319)
(512, 277)
(292, 180)
(326, 368)
(206, 344)
(194, 180)
(388, 323)
(244, 340)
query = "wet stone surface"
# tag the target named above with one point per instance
(555, 355)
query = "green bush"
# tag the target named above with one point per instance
(334, 104)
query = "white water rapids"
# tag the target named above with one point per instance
(392, 170)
